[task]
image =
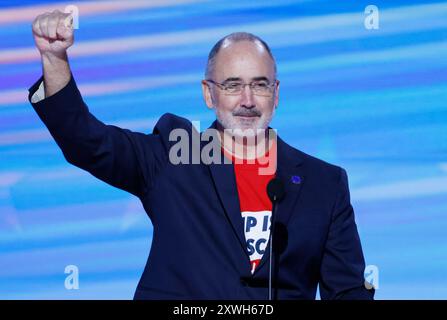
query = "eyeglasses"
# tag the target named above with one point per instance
(261, 88)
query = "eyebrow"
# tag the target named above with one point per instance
(232, 79)
(260, 79)
(252, 79)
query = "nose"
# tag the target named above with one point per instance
(247, 100)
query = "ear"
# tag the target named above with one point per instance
(207, 95)
(276, 97)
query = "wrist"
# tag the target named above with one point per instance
(50, 58)
(56, 72)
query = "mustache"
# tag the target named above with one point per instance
(247, 113)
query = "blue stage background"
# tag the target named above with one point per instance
(370, 100)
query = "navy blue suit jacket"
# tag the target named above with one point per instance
(199, 249)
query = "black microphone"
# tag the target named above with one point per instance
(276, 192)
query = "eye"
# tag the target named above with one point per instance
(261, 85)
(233, 85)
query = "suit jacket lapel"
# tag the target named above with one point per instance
(224, 180)
(291, 173)
(225, 184)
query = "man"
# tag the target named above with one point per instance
(212, 219)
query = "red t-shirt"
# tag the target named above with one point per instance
(255, 205)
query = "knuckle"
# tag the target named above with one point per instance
(52, 21)
(44, 16)
(38, 19)
(60, 14)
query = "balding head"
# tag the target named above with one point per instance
(233, 38)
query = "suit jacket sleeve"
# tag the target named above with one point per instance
(343, 265)
(120, 157)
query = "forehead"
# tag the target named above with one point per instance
(243, 59)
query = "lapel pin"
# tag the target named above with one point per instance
(295, 179)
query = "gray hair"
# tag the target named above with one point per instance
(234, 37)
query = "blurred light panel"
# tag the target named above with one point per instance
(371, 100)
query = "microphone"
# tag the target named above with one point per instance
(275, 192)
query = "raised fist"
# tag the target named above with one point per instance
(53, 32)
